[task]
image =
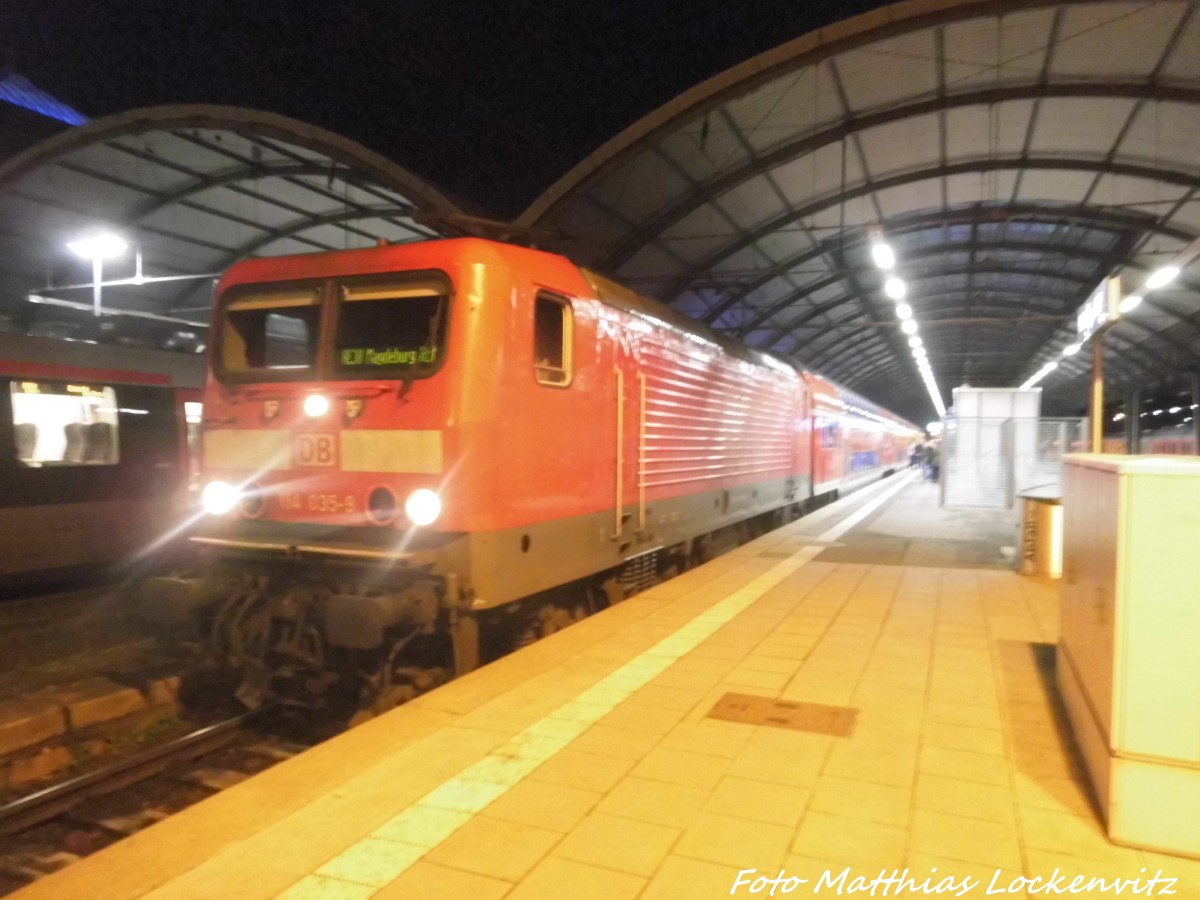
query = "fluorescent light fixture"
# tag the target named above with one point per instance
(903, 310)
(1157, 412)
(1130, 302)
(919, 352)
(1071, 349)
(1174, 409)
(908, 326)
(915, 341)
(883, 255)
(1160, 278)
(1118, 417)
(99, 246)
(895, 288)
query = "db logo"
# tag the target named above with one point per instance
(313, 450)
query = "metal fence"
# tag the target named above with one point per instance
(989, 462)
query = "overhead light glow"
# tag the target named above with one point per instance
(883, 255)
(1157, 412)
(99, 246)
(1130, 302)
(1160, 278)
(908, 326)
(1118, 417)
(903, 310)
(919, 352)
(1174, 409)
(1071, 349)
(895, 288)
(915, 341)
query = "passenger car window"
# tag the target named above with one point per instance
(62, 424)
(552, 329)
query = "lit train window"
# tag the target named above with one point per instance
(62, 424)
(271, 331)
(392, 327)
(552, 328)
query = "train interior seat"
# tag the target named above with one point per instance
(26, 436)
(76, 442)
(98, 438)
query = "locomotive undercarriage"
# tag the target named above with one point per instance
(314, 625)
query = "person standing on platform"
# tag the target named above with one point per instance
(932, 462)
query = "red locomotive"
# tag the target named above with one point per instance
(418, 456)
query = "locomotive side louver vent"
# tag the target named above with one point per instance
(639, 572)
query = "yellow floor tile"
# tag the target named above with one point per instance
(964, 737)
(555, 879)
(735, 842)
(881, 803)
(430, 882)
(622, 743)
(698, 770)
(494, 848)
(618, 843)
(694, 879)
(964, 765)
(966, 839)
(552, 806)
(654, 801)
(850, 841)
(775, 803)
(586, 771)
(876, 766)
(992, 803)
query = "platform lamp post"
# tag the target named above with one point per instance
(98, 248)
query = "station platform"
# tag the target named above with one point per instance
(894, 709)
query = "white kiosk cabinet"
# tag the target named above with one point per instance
(1129, 648)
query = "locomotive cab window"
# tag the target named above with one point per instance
(271, 333)
(59, 424)
(552, 327)
(393, 327)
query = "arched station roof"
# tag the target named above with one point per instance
(196, 188)
(1013, 153)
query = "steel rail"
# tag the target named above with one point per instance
(53, 801)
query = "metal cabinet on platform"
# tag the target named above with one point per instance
(1129, 648)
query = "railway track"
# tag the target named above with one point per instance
(47, 830)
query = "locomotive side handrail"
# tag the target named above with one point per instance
(620, 452)
(642, 454)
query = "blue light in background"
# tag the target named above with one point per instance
(21, 92)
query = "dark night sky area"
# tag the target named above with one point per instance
(490, 101)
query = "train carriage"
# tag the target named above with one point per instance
(97, 464)
(405, 443)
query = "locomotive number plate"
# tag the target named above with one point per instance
(314, 450)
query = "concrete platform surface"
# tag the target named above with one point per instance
(586, 765)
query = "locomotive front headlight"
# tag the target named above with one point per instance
(423, 507)
(219, 497)
(316, 405)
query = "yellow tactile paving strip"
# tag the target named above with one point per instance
(585, 766)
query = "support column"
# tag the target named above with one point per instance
(1097, 405)
(1195, 411)
(1133, 422)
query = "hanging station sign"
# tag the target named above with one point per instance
(1099, 310)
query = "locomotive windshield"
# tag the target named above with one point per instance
(271, 333)
(392, 328)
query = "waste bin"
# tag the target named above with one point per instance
(1041, 532)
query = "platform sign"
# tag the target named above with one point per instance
(1099, 310)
